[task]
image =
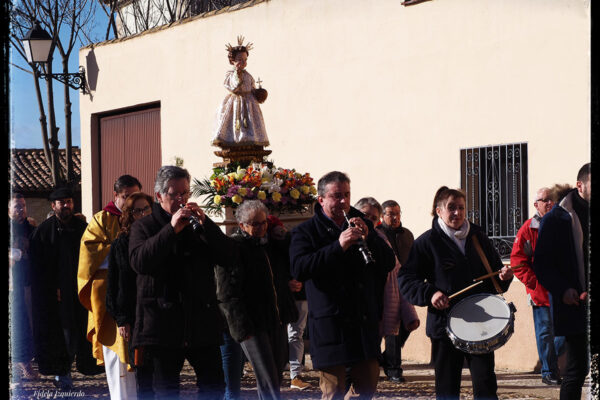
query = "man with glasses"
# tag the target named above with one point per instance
(108, 346)
(59, 320)
(343, 292)
(401, 240)
(549, 346)
(20, 227)
(177, 316)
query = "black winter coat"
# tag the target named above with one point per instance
(176, 300)
(559, 264)
(345, 297)
(121, 288)
(54, 263)
(20, 233)
(436, 263)
(252, 282)
(401, 240)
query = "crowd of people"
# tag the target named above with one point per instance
(151, 281)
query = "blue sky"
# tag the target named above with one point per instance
(25, 126)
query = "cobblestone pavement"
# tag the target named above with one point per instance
(419, 385)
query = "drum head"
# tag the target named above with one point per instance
(479, 317)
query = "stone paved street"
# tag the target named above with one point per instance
(419, 385)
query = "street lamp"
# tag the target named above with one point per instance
(38, 46)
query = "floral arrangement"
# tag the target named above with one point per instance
(281, 190)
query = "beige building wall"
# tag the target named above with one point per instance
(38, 208)
(388, 94)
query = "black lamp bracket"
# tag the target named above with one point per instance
(75, 80)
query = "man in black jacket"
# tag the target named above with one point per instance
(401, 240)
(562, 265)
(344, 293)
(177, 316)
(20, 227)
(59, 319)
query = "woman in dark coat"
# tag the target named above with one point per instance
(252, 286)
(443, 261)
(121, 288)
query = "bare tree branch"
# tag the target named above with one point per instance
(21, 68)
(66, 21)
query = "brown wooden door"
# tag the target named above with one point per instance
(129, 144)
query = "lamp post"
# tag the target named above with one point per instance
(39, 46)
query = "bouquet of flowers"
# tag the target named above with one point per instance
(281, 190)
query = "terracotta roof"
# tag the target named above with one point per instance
(29, 173)
(207, 14)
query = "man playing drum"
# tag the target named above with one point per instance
(442, 261)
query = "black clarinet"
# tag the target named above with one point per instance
(362, 246)
(196, 225)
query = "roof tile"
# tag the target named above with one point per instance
(28, 171)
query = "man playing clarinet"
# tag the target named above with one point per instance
(344, 288)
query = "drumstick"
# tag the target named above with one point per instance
(496, 273)
(464, 290)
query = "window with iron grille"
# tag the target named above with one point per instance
(494, 179)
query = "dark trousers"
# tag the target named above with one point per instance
(267, 352)
(448, 369)
(161, 367)
(576, 368)
(20, 328)
(392, 355)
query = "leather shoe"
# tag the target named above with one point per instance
(551, 380)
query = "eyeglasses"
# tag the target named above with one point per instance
(181, 195)
(544, 200)
(393, 215)
(141, 211)
(256, 224)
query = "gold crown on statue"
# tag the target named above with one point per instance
(240, 47)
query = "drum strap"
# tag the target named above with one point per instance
(486, 264)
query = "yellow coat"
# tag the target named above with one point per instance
(92, 282)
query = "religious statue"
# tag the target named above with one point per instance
(240, 128)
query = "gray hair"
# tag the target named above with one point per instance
(546, 189)
(331, 177)
(165, 174)
(369, 201)
(248, 209)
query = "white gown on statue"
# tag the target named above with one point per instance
(239, 119)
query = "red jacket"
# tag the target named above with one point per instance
(522, 253)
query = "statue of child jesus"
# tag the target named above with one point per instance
(239, 119)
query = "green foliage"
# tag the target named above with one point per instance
(202, 188)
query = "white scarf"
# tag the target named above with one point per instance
(458, 236)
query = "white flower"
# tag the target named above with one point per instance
(266, 173)
(273, 186)
(241, 172)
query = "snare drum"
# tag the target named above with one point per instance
(481, 323)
